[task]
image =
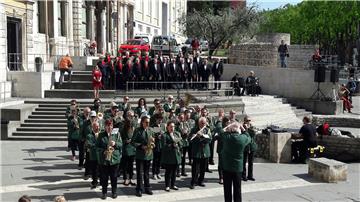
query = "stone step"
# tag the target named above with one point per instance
(40, 133)
(82, 72)
(43, 129)
(49, 112)
(48, 109)
(38, 138)
(84, 85)
(42, 125)
(79, 77)
(77, 94)
(45, 120)
(50, 117)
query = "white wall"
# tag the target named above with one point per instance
(292, 83)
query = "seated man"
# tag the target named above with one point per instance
(308, 135)
(251, 84)
(235, 84)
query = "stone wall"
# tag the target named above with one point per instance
(263, 150)
(254, 55)
(341, 148)
(334, 121)
(299, 55)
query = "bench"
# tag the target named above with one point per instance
(327, 170)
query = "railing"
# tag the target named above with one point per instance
(15, 61)
(179, 87)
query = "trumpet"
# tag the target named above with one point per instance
(76, 123)
(100, 115)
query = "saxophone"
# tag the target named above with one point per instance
(150, 145)
(76, 123)
(109, 150)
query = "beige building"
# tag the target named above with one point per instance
(40, 31)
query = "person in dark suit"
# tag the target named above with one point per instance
(155, 73)
(183, 69)
(193, 73)
(145, 72)
(217, 72)
(205, 72)
(128, 73)
(119, 73)
(136, 68)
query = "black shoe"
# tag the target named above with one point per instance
(114, 195)
(178, 175)
(94, 185)
(211, 163)
(149, 192)
(80, 167)
(103, 196)
(184, 174)
(251, 178)
(244, 179)
(201, 184)
(192, 186)
(174, 188)
(139, 193)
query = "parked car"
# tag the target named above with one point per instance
(144, 37)
(186, 47)
(204, 45)
(134, 46)
(165, 44)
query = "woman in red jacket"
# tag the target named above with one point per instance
(97, 75)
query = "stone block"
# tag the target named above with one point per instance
(327, 170)
(280, 147)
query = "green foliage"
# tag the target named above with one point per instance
(227, 25)
(331, 24)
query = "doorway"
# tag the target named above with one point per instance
(14, 36)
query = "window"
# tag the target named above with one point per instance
(148, 30)
(83, 21)
(61, 18)
(140, 27)
(41, 16)
(149, 7)
(155, 32)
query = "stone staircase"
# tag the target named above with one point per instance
(268, 110)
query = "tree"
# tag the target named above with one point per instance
(228, 25)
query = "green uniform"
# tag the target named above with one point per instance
(253, 145)
(200, 145)
(117, 123)
(126, 135)
(73, 131)
(179, 127)
(124, 107)
(233, 151)
(102, 144)
(91, 145)
(139, 111)
(157, 132)
(139, 139)
(169, 153)
(168, 107)
(85, 129)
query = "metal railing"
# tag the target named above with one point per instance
(15, 61)
(180, 87)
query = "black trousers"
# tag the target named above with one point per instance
(298, 151)
(81, 152)
(217, 84)
(249, 158)
(128, 167)
(156, 163)
(93, 169)
(198, 170)
(183, 158)
(220, 169)
(142, 171)
(170, 174)
(211, 159)
(105, 173)
(232, 180)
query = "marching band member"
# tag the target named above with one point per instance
(191, 124)
(141, 108)
(217, 137)
(232, 116)
(234, 140)
(73, 125)
(115, 116)
(249, 151)
(200, 140)
(85, 129)
(91, 155)
(125, 105)
(217, 121)
(158, 130)
(110, 150)
(144, 143)
(170, 104)
(170, 154)
(128, 149)
(183, 127)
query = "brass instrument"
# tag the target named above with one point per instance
(76, 123)
(176, 142)
(191, 99)
(109, 150)
(100, 115)
(184, 129)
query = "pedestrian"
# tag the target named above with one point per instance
(97, 84)
(351, 86)
(283, 53)
(65, 65)
(170, 155)
(205, 72)
(344, 96)
(234, 141)
(109, 151)
(217, 72)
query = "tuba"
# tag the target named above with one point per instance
(190, 98)
(109, 150)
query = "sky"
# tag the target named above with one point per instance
(271, 4)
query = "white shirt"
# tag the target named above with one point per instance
(183, 67)
(191, 66)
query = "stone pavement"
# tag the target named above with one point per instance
(44, 170)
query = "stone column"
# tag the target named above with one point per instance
(29, 59)
(3, 46)
(103, 31)
(70, 34)
(77, 9)
(126, 21)
(91, 22)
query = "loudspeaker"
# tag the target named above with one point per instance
(319, 73)
(334, 76)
